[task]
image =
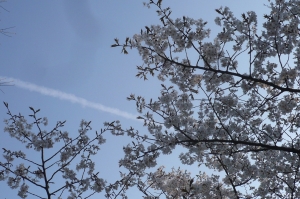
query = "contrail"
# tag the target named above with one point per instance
(68, 97)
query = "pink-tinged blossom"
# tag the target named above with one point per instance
(234, 115)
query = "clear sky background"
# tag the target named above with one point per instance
(60, 60)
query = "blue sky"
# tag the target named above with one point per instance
(60, 60)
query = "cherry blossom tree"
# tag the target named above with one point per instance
(55, 160)
(53, 164)
(232, 101)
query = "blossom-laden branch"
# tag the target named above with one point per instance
(43, 171)
(233, 104)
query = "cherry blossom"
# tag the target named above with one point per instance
(56, 159)
(238, 117)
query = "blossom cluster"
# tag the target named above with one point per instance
(240, 121)
(236, 117)
(57, 163)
